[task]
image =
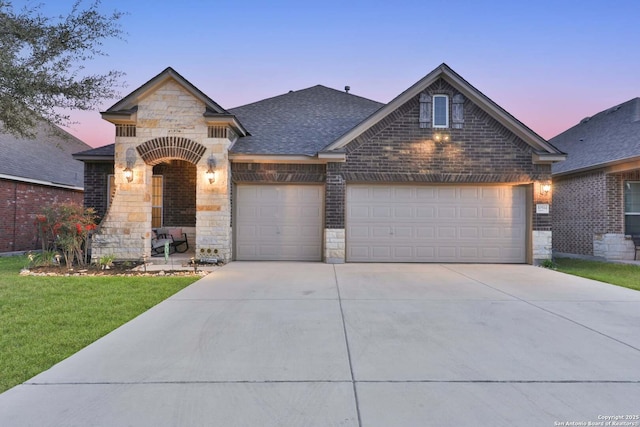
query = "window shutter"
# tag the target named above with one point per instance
(425, 110)
(458, 111)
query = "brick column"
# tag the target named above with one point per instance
(334, 232)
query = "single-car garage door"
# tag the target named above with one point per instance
(437, 223)
(278, 222)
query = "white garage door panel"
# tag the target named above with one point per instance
(389, 223)
(279, 222)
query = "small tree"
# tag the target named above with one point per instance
(41, 64)
(67, 227)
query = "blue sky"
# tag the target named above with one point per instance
(549, 63)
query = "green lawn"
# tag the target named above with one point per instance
(44, 320)
(625, 275)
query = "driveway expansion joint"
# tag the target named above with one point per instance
(546, 310)
(346, 341)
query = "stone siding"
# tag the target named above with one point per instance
(334, 245)
(169, 114)
(614, 247)
(20, 202)
(542, 245)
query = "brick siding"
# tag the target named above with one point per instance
(615, 197)
(20, 203)
(96, 178)
(580, 210)
(397, 150)
(179, 193)
(587, 204)
(277, 173)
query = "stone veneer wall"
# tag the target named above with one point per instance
(613, 246)
(398, 150)
(168, 112)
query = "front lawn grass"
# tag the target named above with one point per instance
(626, 275)
(44, 320)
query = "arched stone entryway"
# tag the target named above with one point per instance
(158, 150)
(200, 207)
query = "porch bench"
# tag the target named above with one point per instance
(177, 239)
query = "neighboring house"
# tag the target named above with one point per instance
(597, 190)
(35, 173)
(439, 174)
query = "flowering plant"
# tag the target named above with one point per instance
(66, 227)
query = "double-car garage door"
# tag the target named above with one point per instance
(445, 223)
(385, 223)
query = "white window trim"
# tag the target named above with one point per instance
(433, 113)
(626, 214)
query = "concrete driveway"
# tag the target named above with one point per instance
(310, 344)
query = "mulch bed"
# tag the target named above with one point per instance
(124, 269)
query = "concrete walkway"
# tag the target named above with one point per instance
(310, 344)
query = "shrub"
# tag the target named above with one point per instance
(66, 227)
(549, 263)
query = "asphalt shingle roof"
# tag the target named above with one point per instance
(610, 136)
(46, 157)
(300, 122)
(107, 151)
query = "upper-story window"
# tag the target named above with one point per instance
(440, 111)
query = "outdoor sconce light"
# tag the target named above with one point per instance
(545, 187)
(441, 136)
(130, 157)
(210, 174)
(128, 173)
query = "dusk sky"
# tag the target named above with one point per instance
(549, 63)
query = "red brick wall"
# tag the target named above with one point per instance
(19, 203)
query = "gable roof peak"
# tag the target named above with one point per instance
(539, 144)
(131, 100)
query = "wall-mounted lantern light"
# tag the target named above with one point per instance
(130, 158)
(442, 136)
(210, 174)
(545, 187)
(128, 173)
